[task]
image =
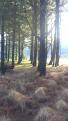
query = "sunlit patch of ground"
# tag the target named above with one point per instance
(24, 64)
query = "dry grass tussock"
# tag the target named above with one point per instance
(48, 114)
(19, 98)
(44, 114)
(51, 82)
(17, 85)
(49, 91)
(63, 94)
(61, 105)
(40, 93)
(3, 118)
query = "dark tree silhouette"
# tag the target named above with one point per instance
(19, 44)
(14, 28)
(35, 29)
(57, 33)
(32, 36)
(2, 45)
(42, 53)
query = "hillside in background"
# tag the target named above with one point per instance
(63, 51)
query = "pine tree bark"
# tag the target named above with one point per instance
(35, 29)
(14, 27)
(19, 47)
(54, 51)
(57, 33)
(16, 52)
(50, 63)
(32, 37)
(22, 48)
(2, 45)
(42, 53)
(8, 48)
(46, 29)
(32, 50)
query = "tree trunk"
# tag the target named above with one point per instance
(21, 55)
(9, 48)
(42, 53)
(16, 52)
(57, 33)
(32, 50)
(51, 44)
(2, 45)
(35, 28)
(54, 51)
(46, 29)
(6, 48)
(19, 49)
(13, 42)
(50, 63)
(32, 38)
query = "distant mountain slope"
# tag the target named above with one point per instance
(64, 50)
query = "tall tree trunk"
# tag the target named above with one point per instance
(8, 48)
(35, 29)
(14, 27)
(46, 29)
(16, 52)
(32, 37)
(51, 60)
(2, 45)
(42, 53)
(32, 50)
(21, 56)
(51, 44)
(57, 33)
(54, 51)
(19, 49)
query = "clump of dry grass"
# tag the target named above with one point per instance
(51, 82)
(17, 85)
(61, 105)
(63, 94)
(44, 114)
(3, 118)
(19, 98)
(40, 93)
(48, 114)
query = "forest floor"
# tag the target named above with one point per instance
(24, 96)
